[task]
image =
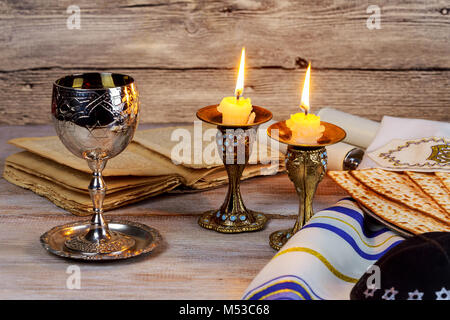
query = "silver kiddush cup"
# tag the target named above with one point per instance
(95, 117)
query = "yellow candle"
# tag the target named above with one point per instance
(237, 110)
(305, 127)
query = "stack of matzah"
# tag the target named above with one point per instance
(143, 170)
(413, 201)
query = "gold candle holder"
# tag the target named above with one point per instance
(234, 143)
(306, 165)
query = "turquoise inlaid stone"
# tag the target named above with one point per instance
(288, 236)
(232, 218)
(242, 218)
(224, 217)
(218, 214)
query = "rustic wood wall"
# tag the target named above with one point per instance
(183, 54)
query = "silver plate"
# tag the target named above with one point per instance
(146, 239)
(389, 225)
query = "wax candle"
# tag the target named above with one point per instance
(305, 126)
(237, 110)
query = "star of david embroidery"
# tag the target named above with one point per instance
(369, 292)
(415, 295)
(389, 294)
(443, 294)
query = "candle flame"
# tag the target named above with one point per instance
(240, 80)
(304, 104)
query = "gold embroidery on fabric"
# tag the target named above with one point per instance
(281, 291)
(322, 259)
(280, 282)
(440, 153)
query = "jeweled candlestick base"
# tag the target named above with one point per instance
(306, 165)
(234, 144)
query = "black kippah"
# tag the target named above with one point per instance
(416, 269)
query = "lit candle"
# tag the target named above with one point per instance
(305, 126)
(237, 110)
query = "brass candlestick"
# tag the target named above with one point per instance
(234, 143)
(306, 165)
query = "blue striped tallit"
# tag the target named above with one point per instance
(325, 258)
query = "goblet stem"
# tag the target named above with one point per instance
(99, 239)
(97, 189)
(306, 168)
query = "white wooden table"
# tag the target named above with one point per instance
(192, 263)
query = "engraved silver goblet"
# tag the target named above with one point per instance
(95, 116)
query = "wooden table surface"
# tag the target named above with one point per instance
(192, 263)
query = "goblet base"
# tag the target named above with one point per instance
(278, 238)
(130, 239)
(243, 222)
(117, 243)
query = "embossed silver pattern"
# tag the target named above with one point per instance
(95, 116)
(95, 123)
(146, 240)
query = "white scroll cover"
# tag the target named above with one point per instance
(426, 154)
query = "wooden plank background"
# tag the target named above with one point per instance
(183, 54)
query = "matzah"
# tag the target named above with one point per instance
(445, 178)
(432, 186)
(395, 213)
(399, 187)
